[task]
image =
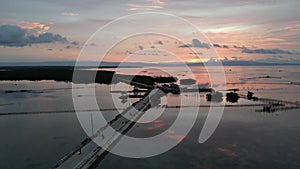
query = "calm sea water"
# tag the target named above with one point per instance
(244, 139)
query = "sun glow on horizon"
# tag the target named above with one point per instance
(194, 60)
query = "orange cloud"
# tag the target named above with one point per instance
(135, 7)
(179, 138)
(36, 26)
(295, 27)
(227, 152)
(232, 145)
(70, 14)
(160, 2)
(158, 121)
(172, 135)
(156, 126)
(32, 25)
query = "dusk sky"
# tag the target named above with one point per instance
(40, 30)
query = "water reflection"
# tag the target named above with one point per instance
(244, 139)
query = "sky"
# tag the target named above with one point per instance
(42, 30)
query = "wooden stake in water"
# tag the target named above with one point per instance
(92, 124)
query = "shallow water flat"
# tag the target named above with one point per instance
(244, 139)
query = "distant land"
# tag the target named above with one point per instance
(140, 64)
(65, 74)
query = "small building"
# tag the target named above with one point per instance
(232, 97)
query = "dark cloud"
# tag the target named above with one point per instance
(276, 56)
(239, 47)
(45, 38)
(217, 45)
(159, 42)
(235, 57)
(185, 46)
(128, 52)
(75, 43)
(196, 53)
(141, 47)
(266, 51)
(15, 36)
(220, 46)
(196, 44)
(91, 44)
(279, 60)
(225, 46)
